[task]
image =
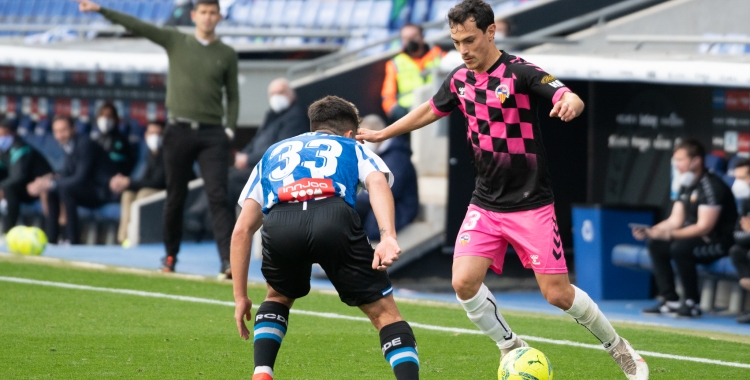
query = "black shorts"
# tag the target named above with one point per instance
(329, 233)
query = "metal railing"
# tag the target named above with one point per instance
(641, 39)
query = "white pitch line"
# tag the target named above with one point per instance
(359, 319)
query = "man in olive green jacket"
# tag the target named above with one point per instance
(201, 68)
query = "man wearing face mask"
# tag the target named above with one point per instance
(740, 251)
(20, 164)
(108, 136)
(82, 181)
(154, 179)
(284, 120)
(407, 71)
(699, 231)
(396, 154)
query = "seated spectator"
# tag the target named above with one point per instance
(502, 28)
(20, 164)
(700, 230)
(285, 119)
(154, 179)
(114, 143)
(396, 154)
(740, 251)
(82, 181)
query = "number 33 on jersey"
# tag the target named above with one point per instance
(312, 166)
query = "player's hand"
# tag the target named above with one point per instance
(745, 223)
(88, 6)
(243, 309)
(568, 107)
(662, 234)
(386, 253)
(364, 134)
(240, 161)
(639, 234)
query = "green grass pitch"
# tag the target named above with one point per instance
(48, 332)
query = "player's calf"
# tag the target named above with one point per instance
(271, 322)
(400, 350)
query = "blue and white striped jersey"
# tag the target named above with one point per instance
(312, 166)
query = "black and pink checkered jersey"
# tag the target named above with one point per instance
(502, 131)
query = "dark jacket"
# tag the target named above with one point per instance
(21, 164)
(117, 147)
(397, 156)
(87, 165)
(155, 176)
(741, 237)
(276, 127)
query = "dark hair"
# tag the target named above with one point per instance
(156, 123)
(745, 162)
(206, 2)
(693, 148)
(335, 114)
(8, 124)
(472, 10)
(410, 25)
(112, 107)
(57, 118)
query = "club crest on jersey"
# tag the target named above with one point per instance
(306, 189)
(502, 92)
(464, 239)
(461, 91)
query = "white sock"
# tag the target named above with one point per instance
(587, 313)
(482, 310)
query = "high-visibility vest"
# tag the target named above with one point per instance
(409, 76)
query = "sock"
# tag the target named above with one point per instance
(482, 310)
(400, 350)
(587, 314)
(271, 322)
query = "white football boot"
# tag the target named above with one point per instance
(630, 362)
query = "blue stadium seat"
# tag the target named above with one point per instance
(276, 13)
(258, 13)
(344, 14)
(13, 10)
(240, 11)
(292, 13)
(164, 11)
(27, 10)
(380, 15)
(3, 7)
(327, 14)
(147, 11)
(132, 7)
(716, 164)
(419, 11)
(44, 7)
(440, 9)
(57, 11)
(361, 13)
(309, 13)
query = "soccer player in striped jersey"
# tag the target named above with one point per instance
(306, 187)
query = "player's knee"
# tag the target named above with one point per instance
(465, 287)
(561, 298)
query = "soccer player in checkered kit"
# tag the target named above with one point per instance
(306, 187)
(513, 202)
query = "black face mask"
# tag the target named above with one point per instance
(412, 47)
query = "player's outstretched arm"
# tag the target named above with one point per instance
(568, 107)
(382, 203)
(417, 118)
(251, 218)
(158, 35)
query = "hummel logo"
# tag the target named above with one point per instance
(556, 84)
(461, 91)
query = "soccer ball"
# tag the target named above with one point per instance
(26, 240)
(525, 363)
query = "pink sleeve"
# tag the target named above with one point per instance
(437, 111)
(559, 93)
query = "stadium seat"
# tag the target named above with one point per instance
(440, 9)
(240, 11)
(344, 14)
(419, 11)
(276, 13)
(147, 11)
(716, 164)
(12, 10)
(28, 9)
(309, 14)
(327, 14)
(380, 14)
(258, 13)
(164, 11)
(292, 13)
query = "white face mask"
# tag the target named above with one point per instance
(153, 142)
(741, 189)
(686, 179)
(105, 124)
(278, 103)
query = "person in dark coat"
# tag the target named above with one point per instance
(20, 164)
(285, 119)
(83, 181)
(396, 153)
(154, 179)
(107, 134)
(740, 251)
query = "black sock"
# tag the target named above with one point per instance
(400, 350)
(271, 322)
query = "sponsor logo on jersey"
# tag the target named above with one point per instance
(464, 239)
(548, 79)
(502, 92)
(306, 189)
